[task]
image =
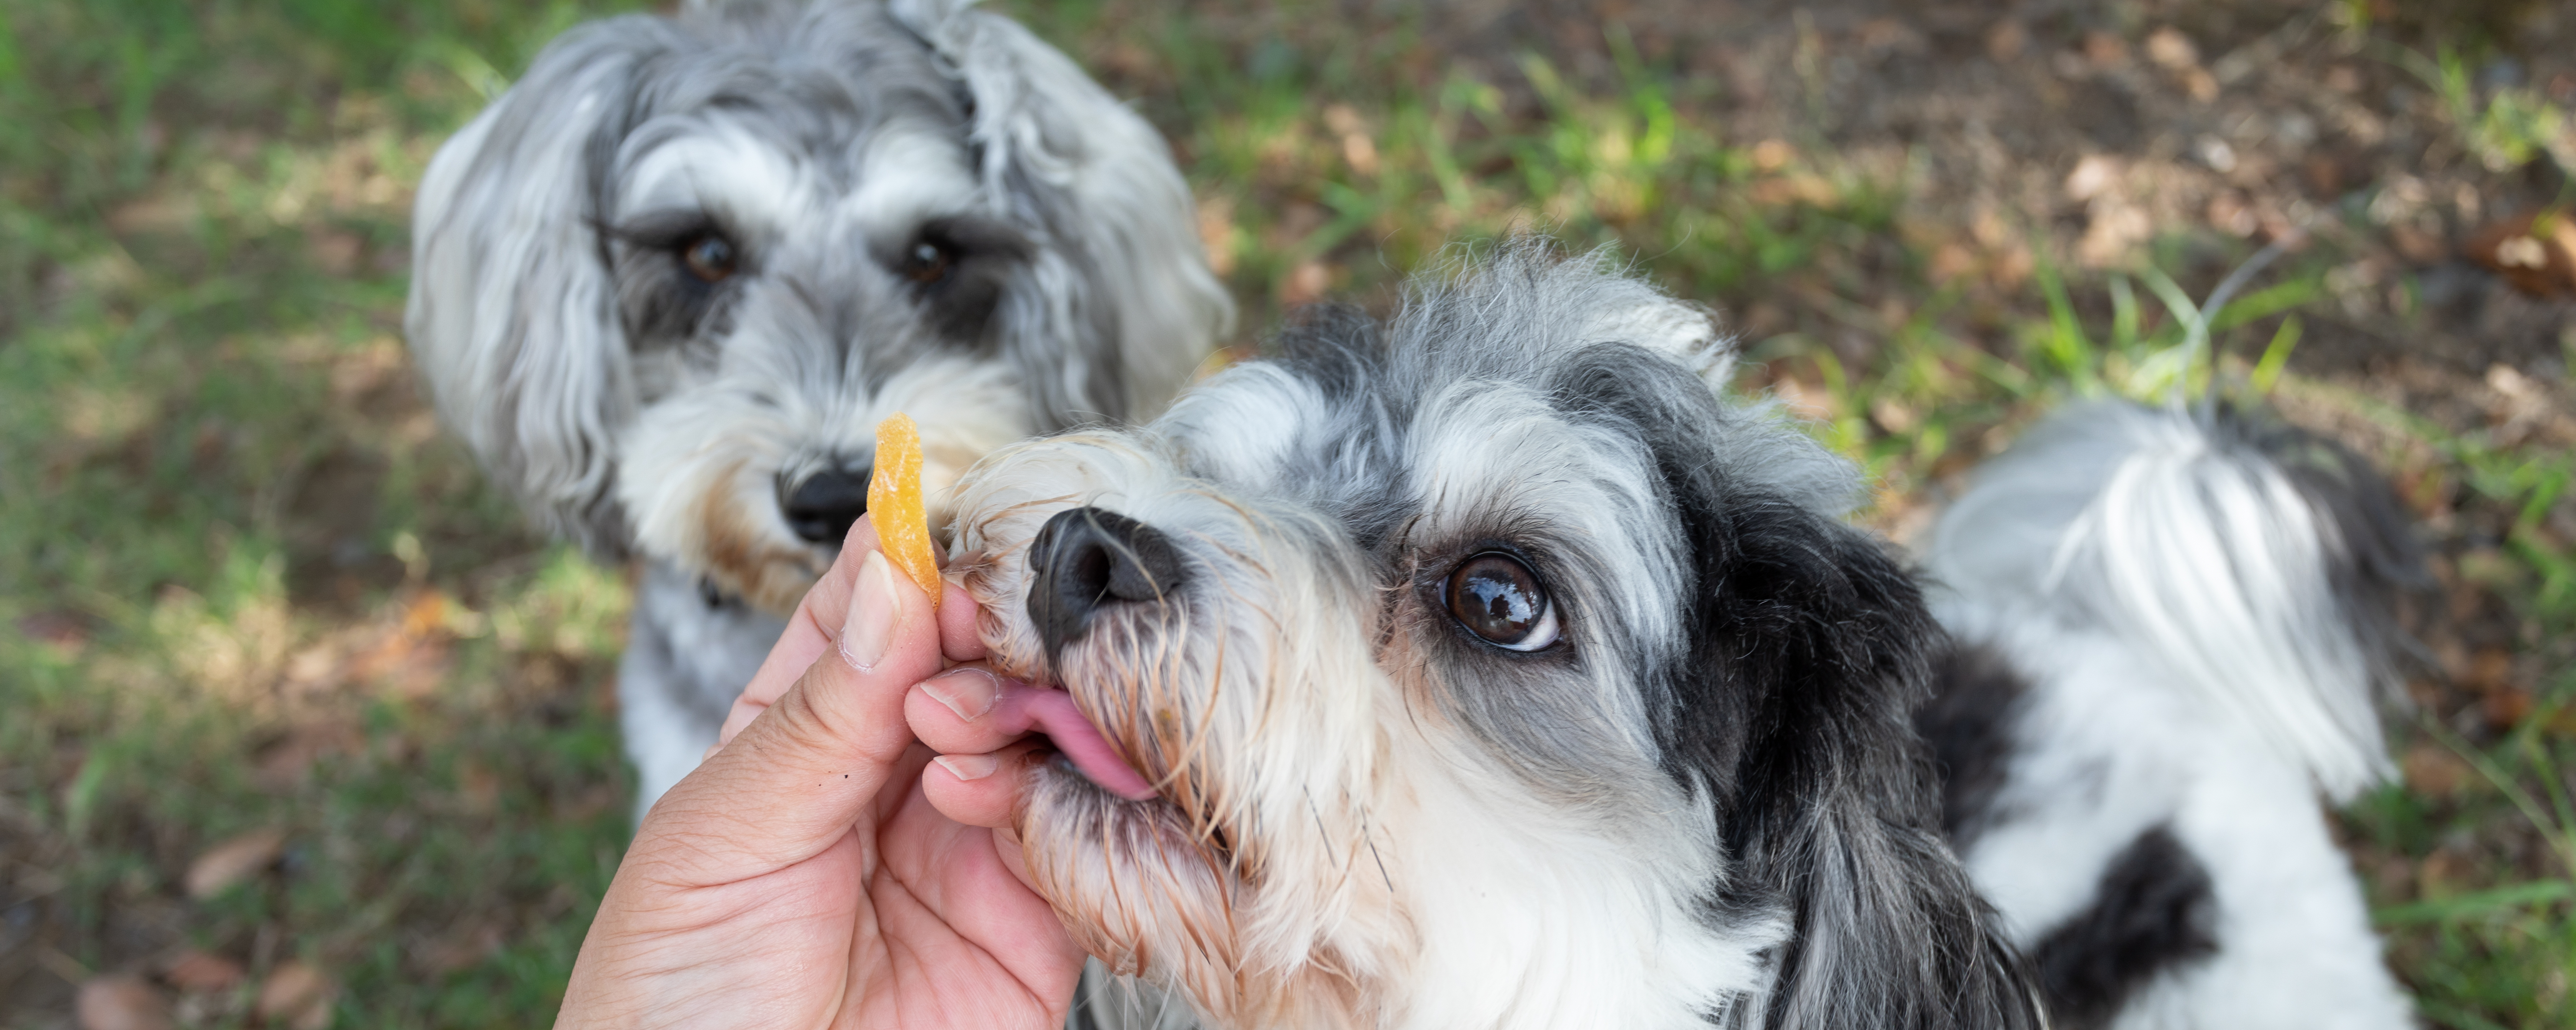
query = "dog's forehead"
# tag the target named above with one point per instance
(780, 128)
(1441, 446)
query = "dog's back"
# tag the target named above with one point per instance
(2168, 630)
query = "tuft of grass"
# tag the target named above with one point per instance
(244, 583)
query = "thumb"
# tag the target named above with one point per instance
(806, 770)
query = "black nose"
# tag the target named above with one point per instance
(1086, 559)
(822, 508)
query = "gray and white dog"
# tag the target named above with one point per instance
(668, 284)
(2170, 625)
(1487, 668)
(1491, 668)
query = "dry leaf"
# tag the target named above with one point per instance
(2093, 174)
(1305, 284)
(2200, 84)
(234, 861)
(2433, 770)
(2172, 49)
(1216, 234)
(460, 949)
(1885, 35)
(2506, 708)
(2536, 252)
(1950, 262)
(122, 1002)
(1771, 155)
(1893, 415)
(1805, 400)
(2491, 669)
(297, 995)
(202, 971)
(2105, 50)
(2006, 40)
(2416, 245)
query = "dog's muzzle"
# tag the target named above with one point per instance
(1085, 560)
(822, 509)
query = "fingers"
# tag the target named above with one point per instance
(826, 605)
(983, 789)
(805, 768)
(967, 710)
(957, 615)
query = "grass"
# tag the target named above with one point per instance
(246, 584)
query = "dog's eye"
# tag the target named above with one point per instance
(709, 257)
(929, 262)
(1498, 598)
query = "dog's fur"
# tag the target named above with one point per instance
(2168, 628)
(1702, 804)
(643, 411)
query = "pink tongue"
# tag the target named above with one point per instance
(1052, 712)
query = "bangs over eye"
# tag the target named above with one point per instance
(957, 269)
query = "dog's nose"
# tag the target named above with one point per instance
(1086, 559)
(822, 508)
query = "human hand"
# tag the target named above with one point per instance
(800, 877)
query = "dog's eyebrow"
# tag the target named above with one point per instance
(661, 227)
(976, 236)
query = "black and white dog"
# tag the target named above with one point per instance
(668, 284)
(2168, 627)
(1488, 669)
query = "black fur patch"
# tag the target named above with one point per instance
(1975, 695)
(986, 254)
(1809, 648)
(1338, 348)
(2152, 912)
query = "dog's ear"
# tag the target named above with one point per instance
(1062, 154)
(1789, 709)
(512, 311)
(1824, 642)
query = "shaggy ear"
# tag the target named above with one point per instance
(512, 311)
(1059, 152)
(1834, 809)
(1789, 709)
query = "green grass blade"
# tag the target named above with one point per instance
(2066, 343)
(2270, 300)
(2276, 355)
(2477, 903)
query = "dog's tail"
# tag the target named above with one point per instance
(2260, 564)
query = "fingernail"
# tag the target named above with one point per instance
(969, 767)
(969, 691)
(873, 607)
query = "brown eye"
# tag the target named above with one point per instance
(710, 258)
(1498, 598)
(928, 263)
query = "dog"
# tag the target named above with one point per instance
(667, 285)
(1482, 668)
(2169, 627)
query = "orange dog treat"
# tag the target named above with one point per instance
(895, 504)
